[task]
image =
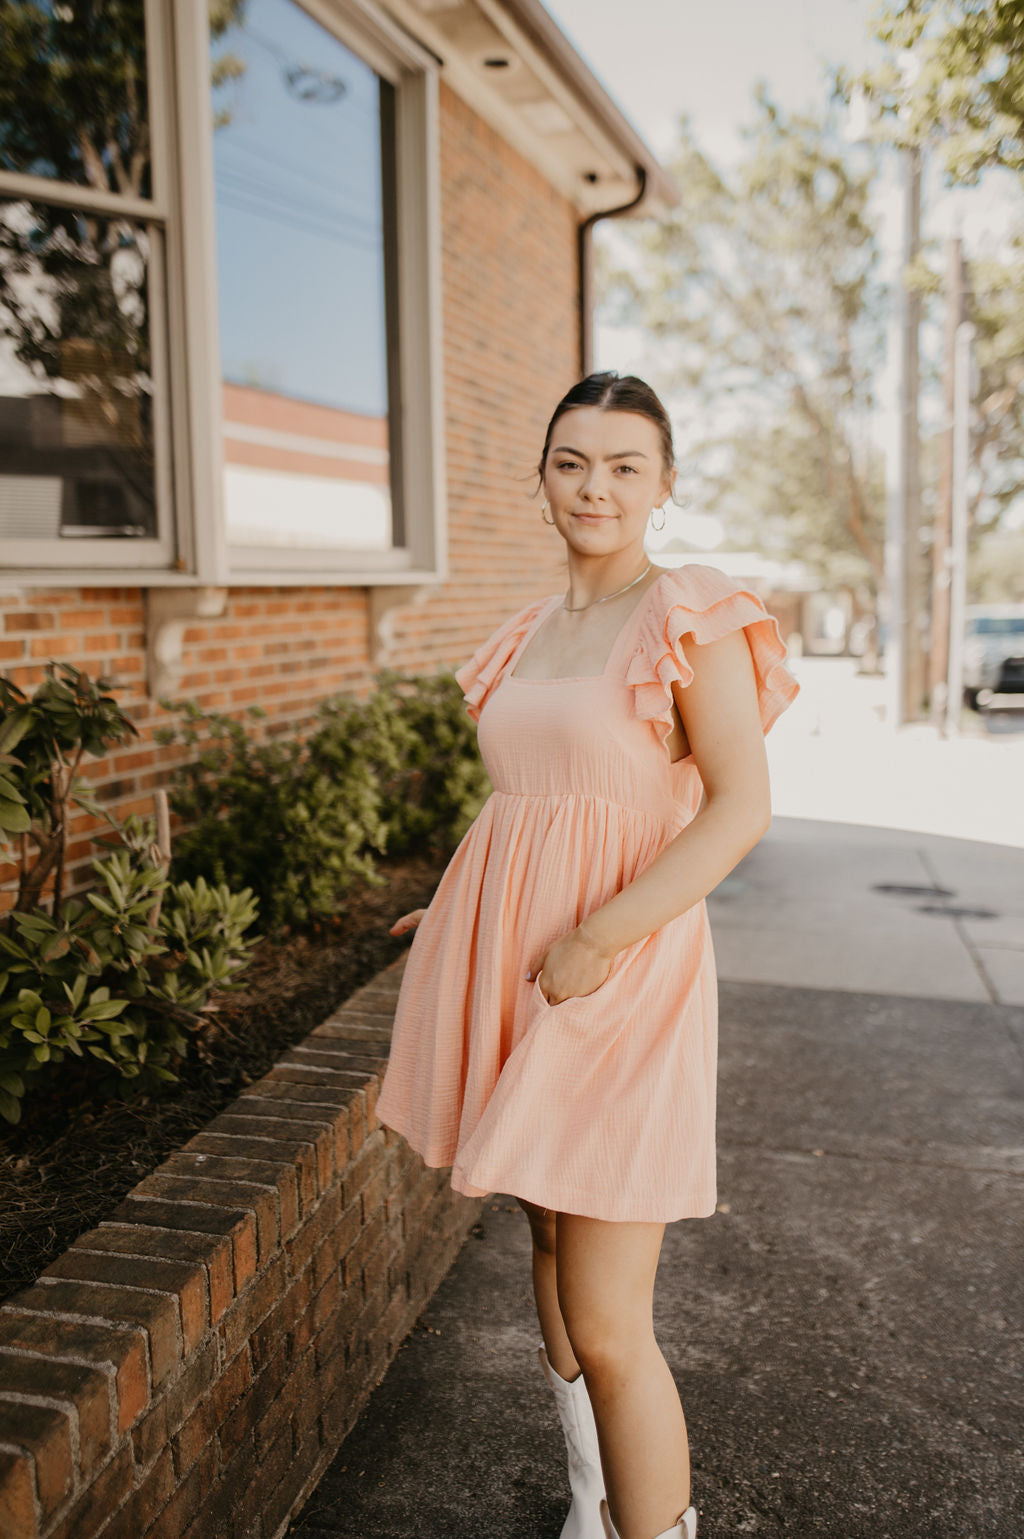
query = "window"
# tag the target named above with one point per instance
(303, 161)
(219, 325)
(83, 460)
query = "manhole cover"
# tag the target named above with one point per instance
(898, 890)
(952, 911)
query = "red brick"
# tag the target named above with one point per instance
(191, 1164)
(224, 1195)
(17, 1495)
(274, 1109)
(189, 1442)
(123, 1351)
(358, 1026)
(104, 1496)
(157, 1314)
(241, 1319)
(29, 620)
(230, 1510)
(325, 1053)
(86, 1392)
(297, 1094)
(281, 1321)
(232, 1385)
(367, 1160)
(213, 1252)
(187, 1500)
(238, 1425)
(200, 1218)
(340, 1238)
(183, 1281)
(193, 1387)
(139, 1511)
(45, 1433)
(316, 1225)
(298, 1155)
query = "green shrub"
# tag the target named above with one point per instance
(441, 783)
(119, 975)
(300, 821)
(295, 824)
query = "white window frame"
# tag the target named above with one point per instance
(194, 548)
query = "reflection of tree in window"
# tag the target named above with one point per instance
(73, 301)
(76, 374)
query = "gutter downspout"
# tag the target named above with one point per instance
(585, 251)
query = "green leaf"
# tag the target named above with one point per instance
(103, 1009)
(10, 1107)
(14, 727)
(14, 817)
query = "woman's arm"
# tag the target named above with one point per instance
(720, 716)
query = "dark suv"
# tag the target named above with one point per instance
(993, 652)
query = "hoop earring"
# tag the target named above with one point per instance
(549, 521)
(660, 526)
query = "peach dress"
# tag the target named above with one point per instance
(604, 1104)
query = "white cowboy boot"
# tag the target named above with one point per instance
(686, 1528)
(586, 1482)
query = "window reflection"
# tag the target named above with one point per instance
(299, 126)
(73, 102)
(76, 422)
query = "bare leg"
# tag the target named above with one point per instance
(545, 1289)
(605, 1279)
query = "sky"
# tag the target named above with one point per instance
(683, 55)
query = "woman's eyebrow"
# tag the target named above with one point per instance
(624, 454)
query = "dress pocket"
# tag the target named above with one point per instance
(620, 961)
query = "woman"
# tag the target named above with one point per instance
(555, 1036)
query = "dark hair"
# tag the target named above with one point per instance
(615, 392)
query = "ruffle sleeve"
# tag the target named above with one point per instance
(478, 677)
(703, 602)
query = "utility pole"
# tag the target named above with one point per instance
(958, 544)
(903, 565)
(941, 549)
(910, 458)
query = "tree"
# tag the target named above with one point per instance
(761, 288)
(954, 79)
(966, 87)
(74, 299)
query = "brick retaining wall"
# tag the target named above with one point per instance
(189, 1367)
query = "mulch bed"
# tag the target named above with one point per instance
(70, 1161)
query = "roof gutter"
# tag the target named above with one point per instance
(537, 24)
(585, 250)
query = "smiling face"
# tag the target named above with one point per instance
(603, 474)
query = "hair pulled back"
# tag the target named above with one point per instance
(610, 391)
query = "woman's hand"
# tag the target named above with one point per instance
(407, 922)
(571, 967)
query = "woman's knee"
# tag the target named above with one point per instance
(606, 1344)
(543, 1226)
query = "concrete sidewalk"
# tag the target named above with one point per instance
(846, 1332)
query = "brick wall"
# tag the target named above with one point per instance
(189, 1367)
(510, 349)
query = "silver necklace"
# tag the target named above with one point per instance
(577, 607)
